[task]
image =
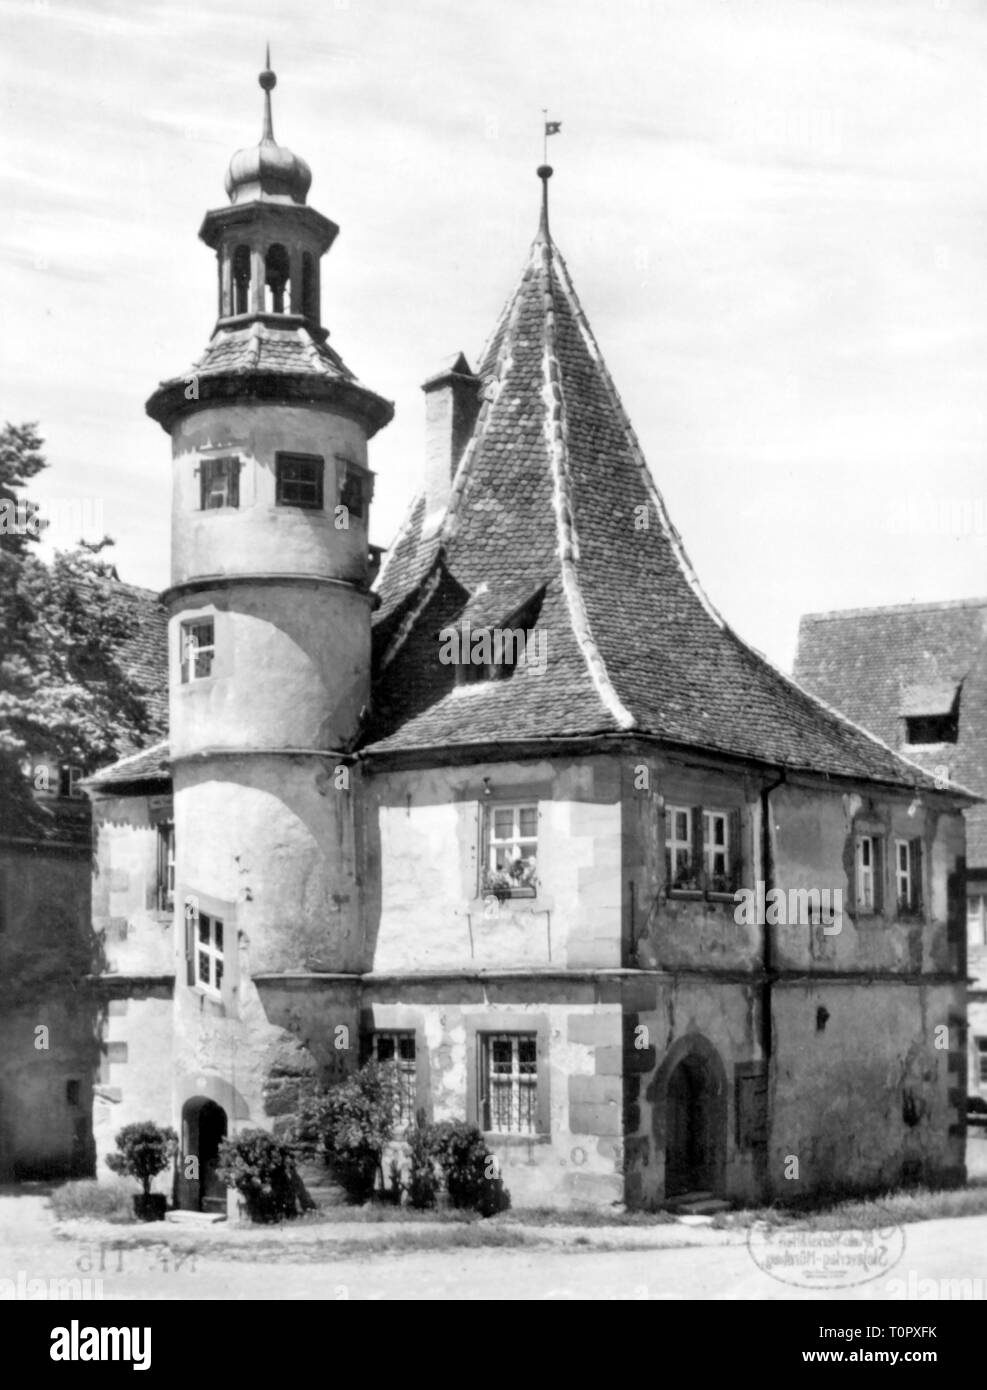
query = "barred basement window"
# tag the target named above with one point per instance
(166, 867)
(198, 649)
(299, 481)
(509, 1076)
(219, 482)
(209, 953)
(400, 1048)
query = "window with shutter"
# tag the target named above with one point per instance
(219, 481)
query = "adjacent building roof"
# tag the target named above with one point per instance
(553, 497)
(883, 665)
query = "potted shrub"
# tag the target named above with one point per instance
(146, 1149)
(262, 1171)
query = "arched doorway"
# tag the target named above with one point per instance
(689, 1109)
(689, 1149)
(203, 1128)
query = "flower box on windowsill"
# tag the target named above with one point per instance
(503, 887)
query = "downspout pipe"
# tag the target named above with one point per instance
(768, 876)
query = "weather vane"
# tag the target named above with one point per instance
(551, 128)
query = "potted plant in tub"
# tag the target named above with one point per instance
(146, 1149)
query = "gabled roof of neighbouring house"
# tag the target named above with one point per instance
(882, 665)
(553, 495)
(878, 664)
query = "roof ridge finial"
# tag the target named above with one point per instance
(545, 172)
(268, 80)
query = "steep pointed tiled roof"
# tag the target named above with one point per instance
(553, 492)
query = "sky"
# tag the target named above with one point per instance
(774, 213)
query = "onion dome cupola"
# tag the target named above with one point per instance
(269, 341)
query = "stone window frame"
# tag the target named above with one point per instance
(221, 1000)
(489, 844)
(399, 1018)
(494, 1024)
(408, 1106)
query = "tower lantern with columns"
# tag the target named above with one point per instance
(269, 612)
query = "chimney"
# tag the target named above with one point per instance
(452, 402)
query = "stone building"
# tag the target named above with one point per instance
(50, 1058)
(489, 818)
(916, 674)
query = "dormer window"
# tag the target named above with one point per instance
(931, 713)
(931, 728)
(299, 481)
(219, 481)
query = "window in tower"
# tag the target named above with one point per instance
(276, 273)
(198, 649)
(220, 483)
(299, 481)
(310, 289)
(241, 280)
(351, 488)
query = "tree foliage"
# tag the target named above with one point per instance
(350, 1123)
(145, 1150)
(64, 690)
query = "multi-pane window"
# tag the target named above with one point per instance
(700, 847)
(716, 850)
(299, 481)
(511, 851)
(219, 481)
(976, 919)
(166, 867)
(982, 1061)
(509, 1062)
(399, 1048)
(868, 884)
(209, 953)
(679, 870)
(198, 649)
